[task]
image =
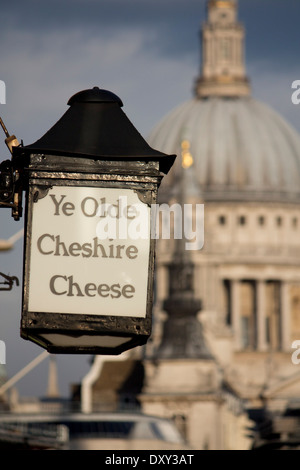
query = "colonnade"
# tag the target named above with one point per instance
(260, 313)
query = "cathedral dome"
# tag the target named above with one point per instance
(241, 148)
(238, 148)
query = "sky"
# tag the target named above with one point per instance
(145, 51)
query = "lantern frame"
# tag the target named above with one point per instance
(46, 171)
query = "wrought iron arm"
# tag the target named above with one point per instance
(10, 187)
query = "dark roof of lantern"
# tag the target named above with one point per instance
(95, 126)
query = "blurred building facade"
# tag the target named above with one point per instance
(219, 363)
(220, 360)
(242, 161)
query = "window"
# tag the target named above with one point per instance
(261, 220)
(294, 291)
(245, 327)
(295, 222)
(222, 220)
(225, 49)
(272, 315)
(242, 220)
(226, 301)
(248, 315)
(279, 221)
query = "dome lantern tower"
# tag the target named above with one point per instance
(223, 70)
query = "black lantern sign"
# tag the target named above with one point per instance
(90, 183)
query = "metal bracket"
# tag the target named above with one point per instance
(145, 197)
(10, 184)
(8, 281)
(10, 189)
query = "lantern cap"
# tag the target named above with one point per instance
(95, 95)
(96, 127)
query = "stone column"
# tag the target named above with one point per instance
(236, 60)
(285, 316)
(236, 312)
(261, 315)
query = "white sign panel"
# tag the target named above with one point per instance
(89, 252)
